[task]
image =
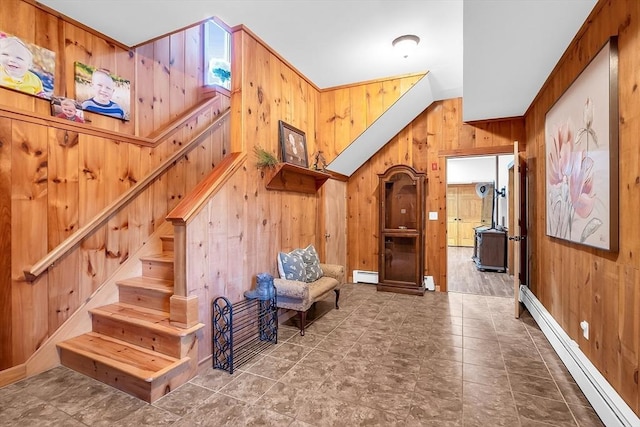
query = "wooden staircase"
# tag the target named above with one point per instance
(133, 345)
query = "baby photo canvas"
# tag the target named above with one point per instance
(101, 92)
(26, 67)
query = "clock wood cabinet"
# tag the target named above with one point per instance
(401, 230)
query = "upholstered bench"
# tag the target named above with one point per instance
(304, 281)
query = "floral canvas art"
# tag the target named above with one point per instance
(581, 135)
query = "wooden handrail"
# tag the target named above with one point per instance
(194, 202)
(151, 141)
(48, 260)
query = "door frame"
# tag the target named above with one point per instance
(471, 152)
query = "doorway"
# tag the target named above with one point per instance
(477, 225)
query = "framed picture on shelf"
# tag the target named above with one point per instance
(293, 145)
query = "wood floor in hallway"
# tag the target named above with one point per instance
(462, 276)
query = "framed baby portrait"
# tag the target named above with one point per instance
(66, 108)
(293, 145)
(26, 67)
(101, 92)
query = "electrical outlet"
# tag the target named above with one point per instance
(584, 325)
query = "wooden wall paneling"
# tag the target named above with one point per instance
(325, 130)
(629, 334)
(260, 131)
(46, 35)
(92, 200)
(177, 63)
(286, 95)
(375, 102)
(312, 102)
(143, 215)
(18, 19)
(63, 195)
(29, 159)
(144, 95)
(117, 182)
(187, 166)
(215, 215)
(610, 323)
(419, 134)
(607, 300)
(436, 238)
(176, 176)
(125, 66)
(159, 189)
(277, 103)
(194, 79)
(353, 250)
(452, 123)
(239, 278)
(77, 49)
(6, 314)
(161, 82)
(357, 118)
(420, 163)
(198, 258)
(391, 92)
(342, 121)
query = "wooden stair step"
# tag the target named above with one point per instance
(142, 326)
(145, 374)
(159, 266)
(146, 292)
(167, 242)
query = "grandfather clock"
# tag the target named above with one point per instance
(401, 230)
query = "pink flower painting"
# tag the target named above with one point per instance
(581, 159)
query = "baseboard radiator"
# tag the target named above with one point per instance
(362, 276)
(607, 403)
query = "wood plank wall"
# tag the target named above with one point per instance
(424, 144)
(599, 287)
(244, 226)
(52, 181)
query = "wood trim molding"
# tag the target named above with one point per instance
(13, 374)
(152, 141)
(44, 263)
(477, 151)
(385, 79)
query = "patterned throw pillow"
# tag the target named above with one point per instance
(291, 266)
(312, 264)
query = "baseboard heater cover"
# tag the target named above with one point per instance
(362, 276)
(612, 410)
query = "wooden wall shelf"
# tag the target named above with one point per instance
(288, 177)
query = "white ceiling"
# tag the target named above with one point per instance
(509, 47)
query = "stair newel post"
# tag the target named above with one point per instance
(183, 308)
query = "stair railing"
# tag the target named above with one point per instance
(184, 307)
(32, 273)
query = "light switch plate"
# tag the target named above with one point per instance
(433, 216)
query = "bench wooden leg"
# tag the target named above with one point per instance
(337, 291)
(303, 317)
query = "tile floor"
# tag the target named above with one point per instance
(383, 359)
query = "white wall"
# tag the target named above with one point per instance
(466, 170)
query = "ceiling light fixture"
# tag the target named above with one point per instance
(406, 44)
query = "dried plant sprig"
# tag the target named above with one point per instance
(264, 159)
